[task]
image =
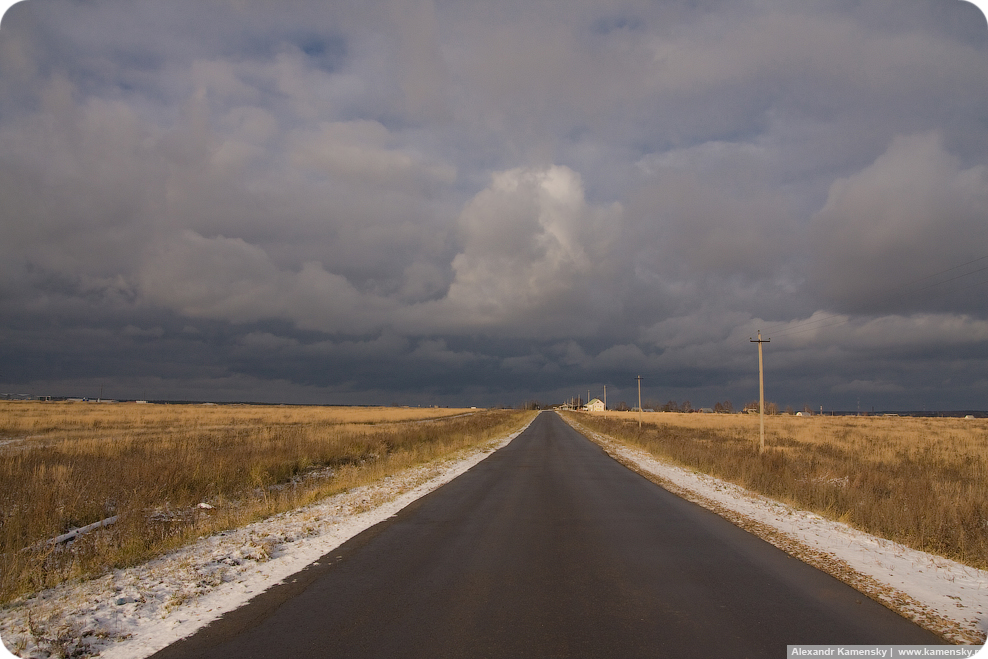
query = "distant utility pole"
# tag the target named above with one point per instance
(605, 397)
(639, 402)
(761, 392)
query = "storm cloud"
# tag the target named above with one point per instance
(426, 202)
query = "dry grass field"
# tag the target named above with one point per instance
(68, 465)
(919, 481)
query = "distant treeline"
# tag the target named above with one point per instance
(727, 407)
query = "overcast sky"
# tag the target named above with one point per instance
(465, 203)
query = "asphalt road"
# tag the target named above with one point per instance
(549, 548)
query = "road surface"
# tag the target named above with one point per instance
(549, 548)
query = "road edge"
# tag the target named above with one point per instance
(889, 596)
(90, 619)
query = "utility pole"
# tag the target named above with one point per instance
(761, 392)
(605, 397)
(639, 402)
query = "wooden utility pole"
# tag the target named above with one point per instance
(639, 402)
(605, 397)
(761, 392)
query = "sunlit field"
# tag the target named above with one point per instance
(920, 481)
(68, 465)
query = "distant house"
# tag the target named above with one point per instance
(706, 410)
(596, 405)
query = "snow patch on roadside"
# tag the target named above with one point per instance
(945, 596)
(134, 612)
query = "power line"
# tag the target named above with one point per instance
(804, 326)
(966, 274)
(942, 272)
(977, 283)
(799, 329)
(809, 324)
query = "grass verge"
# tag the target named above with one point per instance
(68, 465)
(918, 481)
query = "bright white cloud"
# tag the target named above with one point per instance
(532, 246)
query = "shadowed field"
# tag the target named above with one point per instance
(68, 465)
(919, 481)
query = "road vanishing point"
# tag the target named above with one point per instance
(550, 548)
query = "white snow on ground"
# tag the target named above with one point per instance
(134, 612)
(943, 595)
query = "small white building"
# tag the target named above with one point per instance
(596, 405)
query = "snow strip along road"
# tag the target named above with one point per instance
(550, 548)
(945, 596)
(133, 612)
(137, 611)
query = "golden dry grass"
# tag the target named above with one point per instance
(919, 481)
(66, 465)
(22, 419)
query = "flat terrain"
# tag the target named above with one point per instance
(164, 475)
(922, 482)
(549, 548)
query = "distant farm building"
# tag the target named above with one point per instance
(596, 405)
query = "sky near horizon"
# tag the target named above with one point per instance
(460, 203)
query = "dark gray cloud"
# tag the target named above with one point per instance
(440, 202)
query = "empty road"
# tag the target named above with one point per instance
(549, 548)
